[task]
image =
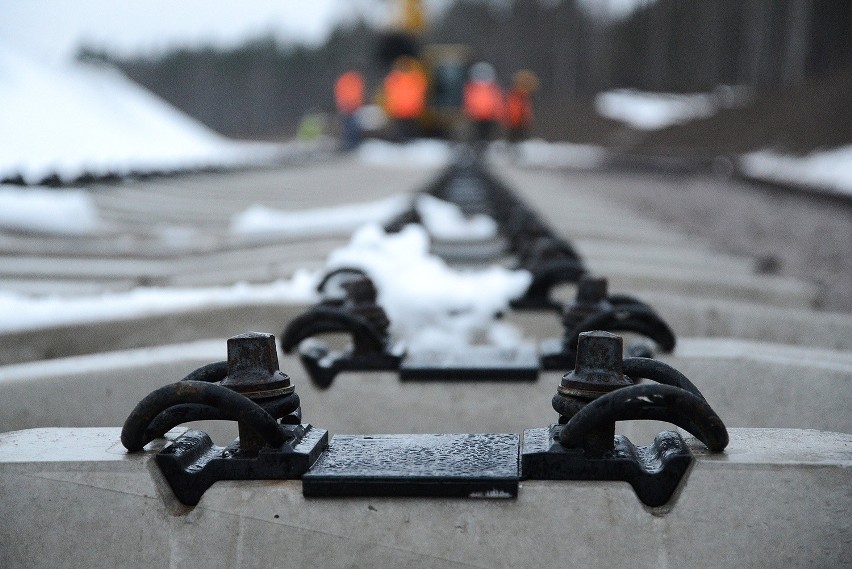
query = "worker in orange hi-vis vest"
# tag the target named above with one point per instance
(519, 116)
(405, 90)
(349, 96)
(483, 101)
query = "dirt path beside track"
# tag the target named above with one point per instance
(786, 233)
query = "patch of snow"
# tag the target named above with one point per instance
(830, 169)
(445, 221)
(23, 312)
(261, 222)
(505, 335)
(429, 304)
(654, 111)
(490, 494)
(78, 119)
(422, 153)
(540, 153)
(45, 210)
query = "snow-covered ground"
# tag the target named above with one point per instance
(422, 152)
(26, 312)
(261, 222)
(429, 303)
(540, 153)
(654, 111)
(830, 169)
(445, 221)
(76, 119)
(532, 153)
(44, 210)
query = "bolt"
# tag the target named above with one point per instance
(253, 367)
(253, 372)
(591, 299)
(598, 369)
(591, 290)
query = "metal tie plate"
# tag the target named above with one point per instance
(475, 363)
(417, 465)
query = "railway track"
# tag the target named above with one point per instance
(767, 361)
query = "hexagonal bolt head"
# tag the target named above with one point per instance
(598, 369)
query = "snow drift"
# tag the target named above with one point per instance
(77, 119)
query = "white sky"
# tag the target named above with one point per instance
(53, 30)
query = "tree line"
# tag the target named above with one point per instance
(263, 87)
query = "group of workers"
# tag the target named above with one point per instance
(405, 94)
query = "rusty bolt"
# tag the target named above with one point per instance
(253, 372)
(591, 296)
(599, 366)
(591, 290)
(598, 371)
(253, 367)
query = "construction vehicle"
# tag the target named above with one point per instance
(445, 66)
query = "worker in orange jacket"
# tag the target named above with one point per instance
(483, 101)
(405, 90)
(519, 116)
(349, 97)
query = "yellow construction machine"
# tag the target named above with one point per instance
(445, 66)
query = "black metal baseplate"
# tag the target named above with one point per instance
(654, 471)
(192, 463)
(433, 466)
(599, 392)
(475, 363)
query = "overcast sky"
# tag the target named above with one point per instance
(54, 29)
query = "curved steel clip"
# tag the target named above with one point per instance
(272, 443)
(370, 349)
(586, 447)
(545, 277)
(615, 314)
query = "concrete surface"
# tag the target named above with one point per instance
(749, 384)
(144, 331)
(687, 315)
(173, 231)
(792, 233)
(694, 316)
(578, 214)
(775, 498)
